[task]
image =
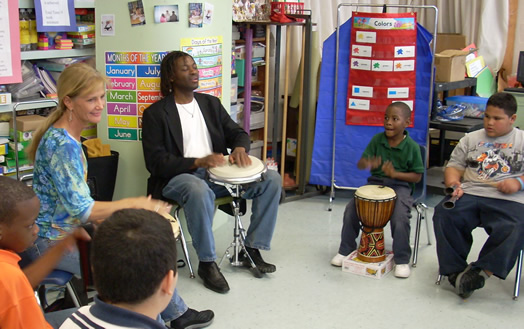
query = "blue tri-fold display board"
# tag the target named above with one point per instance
(351, 140)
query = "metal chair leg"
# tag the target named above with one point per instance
(417, 238)
(425, 217)
(421, 209)
(183, 243)
(439, 279)
(73, 294)
(518, 273)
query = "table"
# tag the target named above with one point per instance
(445, 87)
(465, 125)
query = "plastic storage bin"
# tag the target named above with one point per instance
(475, 106)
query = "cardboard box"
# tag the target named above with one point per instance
(450, 41)
(450, 65)
(28, 122)
(371, 270)
(22, 136)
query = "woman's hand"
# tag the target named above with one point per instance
(149, 203)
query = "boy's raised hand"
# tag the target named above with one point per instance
(389, 169)
(369, 163)
(374, 162)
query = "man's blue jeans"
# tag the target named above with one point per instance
(197, 196)
(71, 263)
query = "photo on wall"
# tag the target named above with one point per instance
(208, 13)
(108, 25)
(136, 13)
(166, 14)
(195, 14)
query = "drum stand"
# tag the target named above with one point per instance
(239, 235)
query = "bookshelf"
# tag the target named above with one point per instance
(38, 103)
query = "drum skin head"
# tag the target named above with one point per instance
(233, 171)
(375, 192)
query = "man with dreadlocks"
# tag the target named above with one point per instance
(183, 135)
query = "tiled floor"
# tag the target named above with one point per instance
(307, 292)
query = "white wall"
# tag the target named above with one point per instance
(132, 174)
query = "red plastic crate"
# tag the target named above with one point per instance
(293, 8)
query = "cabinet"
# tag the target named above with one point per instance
(281, 116)
(42, 54)
(257, 85)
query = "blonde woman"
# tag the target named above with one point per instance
(60, 171)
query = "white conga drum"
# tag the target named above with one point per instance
(232, 174)
(375, 205)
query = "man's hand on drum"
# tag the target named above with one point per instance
(240, 157)
(210, 161)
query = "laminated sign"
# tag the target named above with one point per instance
(382, 66)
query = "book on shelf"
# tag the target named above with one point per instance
(48, 81)
(58, 65)
(85, 27)
(81, 35)
(83, 42)
(4, 170)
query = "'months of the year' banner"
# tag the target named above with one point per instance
(382, 65)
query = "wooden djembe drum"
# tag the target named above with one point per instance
(374, 204)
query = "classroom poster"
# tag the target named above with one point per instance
(207, 53)
(382, 66)
(55, 15)
(10, 69)
(134, 85)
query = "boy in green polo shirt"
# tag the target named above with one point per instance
(394, 160)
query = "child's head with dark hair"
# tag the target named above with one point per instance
(133, 254)
(500, 114)
(504, 101)
(19, 208)
(405, 111)
(396, 119)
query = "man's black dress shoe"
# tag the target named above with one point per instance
(213, 278)
(257, 259)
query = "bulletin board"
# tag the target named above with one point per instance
(10, 68)
(382, 66)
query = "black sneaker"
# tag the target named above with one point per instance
(193, 319)
(452, 278)
(469, 281)
(259, 262)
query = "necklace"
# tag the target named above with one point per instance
(185, 108)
